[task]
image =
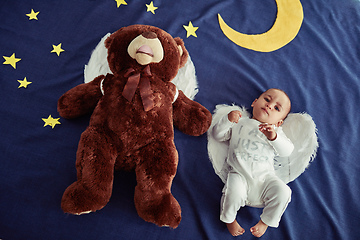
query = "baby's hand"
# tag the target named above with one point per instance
(234, 116)
(268, 130)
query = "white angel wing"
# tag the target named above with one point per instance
(185, 80)
(301, 130)
(98, 64)
(217, 150)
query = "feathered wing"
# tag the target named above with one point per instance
(301, 130)
(185, 80)
(298, 127)
(98, 64)
(217, 150)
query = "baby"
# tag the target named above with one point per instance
(253, 144)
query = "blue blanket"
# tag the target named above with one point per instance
(44, 46)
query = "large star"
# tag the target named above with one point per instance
(32, 15)
(151, 7)
(24, 83)
(190, 30)
(12, 60)
(57, 49)
(119, 2)
(50, 121)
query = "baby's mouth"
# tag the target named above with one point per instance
(264, 109)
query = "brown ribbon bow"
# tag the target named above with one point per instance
(142, 81)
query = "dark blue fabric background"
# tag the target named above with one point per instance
(319, 69)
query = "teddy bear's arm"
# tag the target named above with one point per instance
(190, 117)
(81, 99)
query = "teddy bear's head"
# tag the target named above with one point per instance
(138, 45)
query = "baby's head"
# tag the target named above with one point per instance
(272, 107)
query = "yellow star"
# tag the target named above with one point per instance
(11, 60)
(51, 121)
(57, 49)
(151, 7)
(190, 29)
(32, 15)
(23, 83)
(119, 2)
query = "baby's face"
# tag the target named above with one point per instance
(271, 107)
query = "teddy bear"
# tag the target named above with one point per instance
(133, 113)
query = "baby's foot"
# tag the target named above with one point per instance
(259, 229)
(235, 229)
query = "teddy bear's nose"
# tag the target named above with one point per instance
(149, 35)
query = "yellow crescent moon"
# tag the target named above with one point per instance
(288, 21)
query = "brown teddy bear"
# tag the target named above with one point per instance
(133, 110)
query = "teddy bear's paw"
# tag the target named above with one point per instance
(78, 200)
(164, 211)
(169, 212)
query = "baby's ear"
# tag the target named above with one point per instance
(254, 102)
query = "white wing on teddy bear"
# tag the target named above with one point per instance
(185, 80)
(298, 127)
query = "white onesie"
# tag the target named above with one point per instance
(251, 180)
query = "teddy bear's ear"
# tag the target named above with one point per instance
(108, 41)
(184, 53)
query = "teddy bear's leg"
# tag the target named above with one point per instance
(95, 167)
(155, 172)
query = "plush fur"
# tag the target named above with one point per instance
(122, 135)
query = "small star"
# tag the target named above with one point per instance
(57, 49)
(11, 60)
(119, 2)
(151, 7)
(51, 121)
(190, 29)
(23, 83)
(32, 15)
